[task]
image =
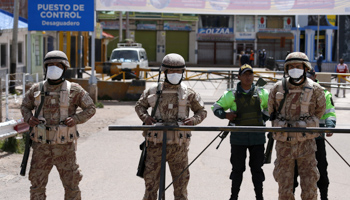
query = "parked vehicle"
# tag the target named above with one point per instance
(129, 55)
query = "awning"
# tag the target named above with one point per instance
(107, 35)
(274, 36)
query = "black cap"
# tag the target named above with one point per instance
(310, 73)
(245, 68)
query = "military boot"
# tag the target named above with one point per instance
(259, 193)
(324, 194)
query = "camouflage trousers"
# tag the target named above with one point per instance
(304, 154)
(46, 156)
(177, 159)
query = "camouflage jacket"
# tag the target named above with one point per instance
(291, 109)
(51, 108)
(168, 105)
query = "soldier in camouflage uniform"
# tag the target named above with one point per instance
(55, 134)
(173, 109)
(303, 106)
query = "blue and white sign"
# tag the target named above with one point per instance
(61, 15)
(215, 30)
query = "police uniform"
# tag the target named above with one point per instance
(54, 143)
(249, 107)
(304, 105)
(174, 104)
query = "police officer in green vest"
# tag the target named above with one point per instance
(327, 120)
(248, 107)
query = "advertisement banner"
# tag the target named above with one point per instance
(60, 15)
(228, 7)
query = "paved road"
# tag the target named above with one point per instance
(108, 160)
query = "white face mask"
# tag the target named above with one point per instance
(54, 72)
(295, 73)
(174, 78)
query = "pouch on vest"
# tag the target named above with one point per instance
(155, 136)
(280, 136)
(41, 133)
(72, 134)
(182, 136)
(62, 136)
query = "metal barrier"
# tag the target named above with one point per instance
(21, 82)
(162, 188)
(12, 127)
(228, 128)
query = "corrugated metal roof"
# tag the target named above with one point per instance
(6, 21)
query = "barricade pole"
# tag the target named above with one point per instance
(7, 97)
(229, 128)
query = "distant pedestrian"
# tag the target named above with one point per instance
(245, 58)
(251, 58)
(239, 58)
(262, 58)
(341, 68)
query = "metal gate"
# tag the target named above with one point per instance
(215, 53)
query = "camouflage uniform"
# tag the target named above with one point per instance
(45, 156)
(300, 147)
(176, 155)
(175, 100)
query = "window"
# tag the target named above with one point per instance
(245, 24)
(274, 22)
(3, 53)
(214, 21)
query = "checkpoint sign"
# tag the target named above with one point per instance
(61, 15)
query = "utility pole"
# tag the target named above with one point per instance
(120, 26)
(13, 64)
(318, 35)
(80, 55)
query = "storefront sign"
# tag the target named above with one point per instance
(287, 23)
(229, 7)
(177, 26)
(261, 22)
(215, 37)
(60, 15)
(146, 26)
(331, 19)
(245, 36)
(215, 30)
(111, 25)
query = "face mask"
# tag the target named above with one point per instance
(295, 73)
(174, 78)
(54, 72)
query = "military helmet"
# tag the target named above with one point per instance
(173, 61)
(297, 57)
(56, 56)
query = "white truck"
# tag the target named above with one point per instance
(129, 55)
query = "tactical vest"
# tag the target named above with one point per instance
(173, 137)
(305, 120)
(54, 134)
(248, 109)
